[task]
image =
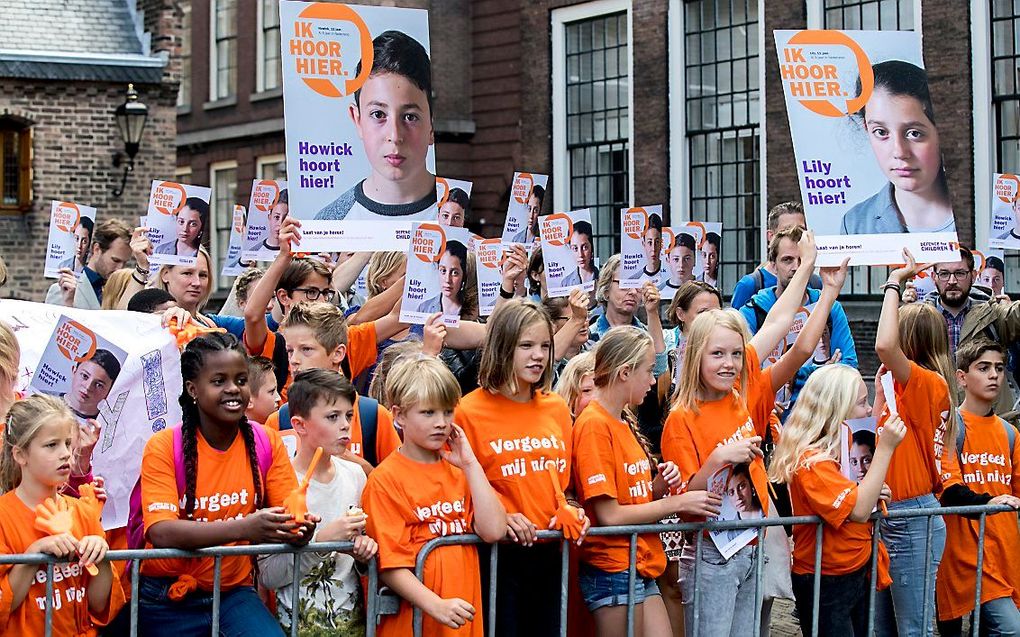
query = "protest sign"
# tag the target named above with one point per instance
(991, 268)
(568, 252)
(354, 186)
(690, 252)
(641, 246)
(857, 447)
(436, 279)
(489, 261)
(454, 201)
(526, 196)
(141, 400)
(70, 239)
(739, 502)
(233, 264)
(867, 149)
(267, 208)
(1005, 232)
(177, 218)
(784, 395)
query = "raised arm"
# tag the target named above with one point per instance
(255, 328)
(887, 341)
(141, 248)
(780, 317)
(345, 274)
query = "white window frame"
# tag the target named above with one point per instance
(186, 8)
(815, 14)
(214, 247)
(265, 160)
(214, 52)
(260, 48)
(985, 133)
(182, 171)
(561, 158)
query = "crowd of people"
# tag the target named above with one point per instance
(552, 413)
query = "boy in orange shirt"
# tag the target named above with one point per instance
(990, 462)
(423, 492)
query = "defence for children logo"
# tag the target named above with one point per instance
(820, 70)
(428, 242)
(265, 195)
(75, 341)
(67, 216)
(1006, 187)
(327, 40)
(557, 228)
(635, 221)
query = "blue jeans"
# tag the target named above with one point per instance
(725, 590)
(241, 612)
(900, 609)
(600, 588)
(999, 618)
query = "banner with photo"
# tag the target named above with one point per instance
(869, 162)
(178, 219)
(489, 259)
(120, 368)
(641, 250)
(70, 238)
(356, 187)
(233, 263)
(857, 447)
(990, 265)
(267, 208)
(437, 270)
(690, 252)
(453, 196)
(1005, 232)
(568, 252)
(527, 193)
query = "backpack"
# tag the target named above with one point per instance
(368, 415)
(760, 314)
(815, 282)
(135, 524)
(961, 434)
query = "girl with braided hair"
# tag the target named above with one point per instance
(236, 476)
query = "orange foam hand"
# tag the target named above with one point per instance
(296, 503)
(54, 517)
(569, 519)
(189, 332)
(87, 496)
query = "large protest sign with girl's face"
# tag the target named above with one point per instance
(178, 219)
(357, 87)
(568, 252)
(641, 246)
(438, 275)
(70, 239)
(739, 502)
(454, 201)
(1005, 231)
(267, 208)
(527, 194)
(233, 263)
(867, 148)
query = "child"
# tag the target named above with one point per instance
(322, 406)
(265, 399)
(989, 457)
(576, 384)
(516, 426)
(423, 492)
(34, 463)
(10, 361)
(613, 470)
(808, 459)
(236, 479)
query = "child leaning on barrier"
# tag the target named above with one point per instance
(989, 461)
(808, 459)
(431, 487)
(322, 407)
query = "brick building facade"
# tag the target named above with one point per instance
(56, 115)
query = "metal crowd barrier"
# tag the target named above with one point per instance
(378, 603)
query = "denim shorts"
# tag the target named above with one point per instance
(600, 589)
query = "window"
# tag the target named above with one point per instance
(15, 166)
(223, 182)
(269, 70)
(272, 167)
(223, 61)
(1005, 67)
(868, 15)
(592, 114)
(722, 133)
(182, 173)
(184, 91)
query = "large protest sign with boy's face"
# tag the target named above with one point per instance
(867, 148)
(568, 252)
(1005, 231)
(690, 252)
(856, 447)
(437, 274)
(640, 246)
(454, 201)
(233, 263)
(178, 219)
(739, 502)
(70, 239)
(489, 266)
(267, 208)
(527, 194)
(357, 84)
(122, 369)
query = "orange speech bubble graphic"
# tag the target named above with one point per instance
(668, 239)
(635, 221)
(239, 219)
(1006, 187)
(522, 187)
(489, 252)
(699, 226)
(169, 198)
(815, 83)
(67, 216)
(319, 62)
(76, 342)
(428, 242)
(442, 190)
(265, 195)
(557, 228)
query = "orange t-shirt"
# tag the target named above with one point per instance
(988, 465)
(362, 351)
(924, 462)
(689, 438)
(224, 490)
(513, 442)
(387, 440)
(71, 615)
(610, 462)
(409, 503)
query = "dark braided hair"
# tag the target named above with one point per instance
(192, 360)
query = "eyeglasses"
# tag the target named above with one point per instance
(945, 275)
(312, 294)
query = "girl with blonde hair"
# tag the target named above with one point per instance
(808, 459)
(10, 361)
(576, 382)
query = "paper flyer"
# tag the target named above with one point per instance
(70, 238)
(991, 268)
(739, 502)
(1005, 231)
(489, 257)
(867, 150)
(857, 447)
(527, 193)
(361, 183)
(454, 201)
(568, 252)
(178, 219)
(690, 252)
(437, 265)
(267, 208)
(641, 246)
(233, 264)
(889, 389)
